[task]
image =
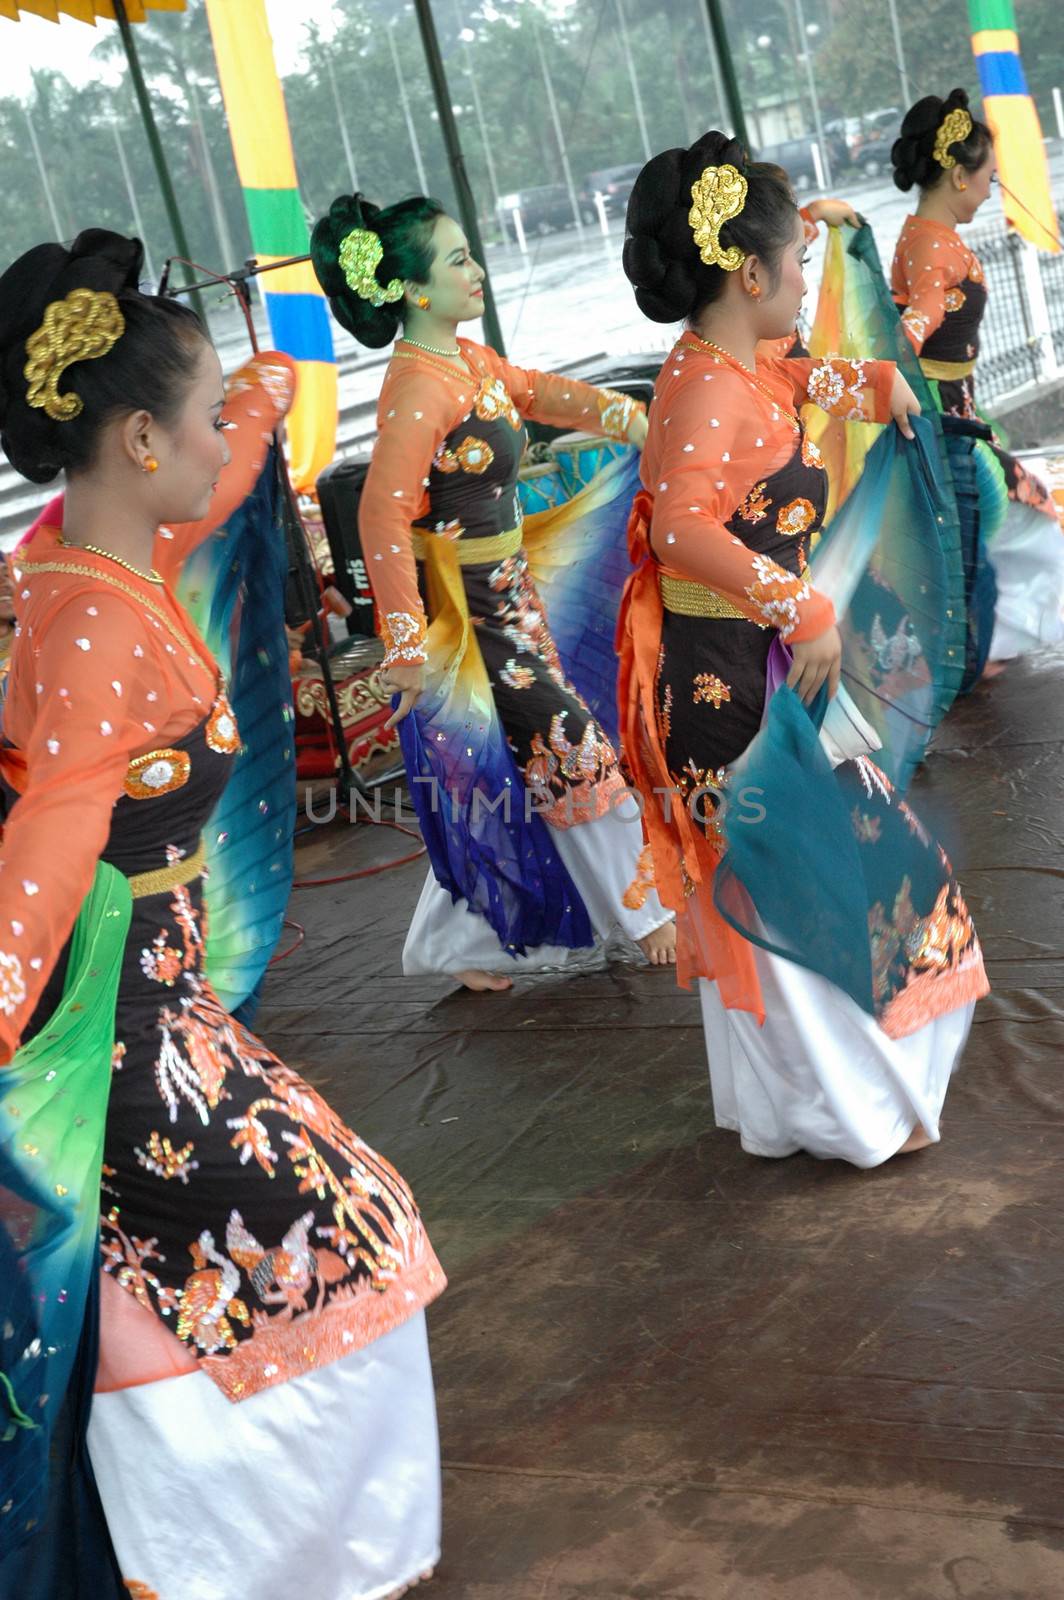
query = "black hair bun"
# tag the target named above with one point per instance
(912, 153)
(150, 366)
(660, 260)
(371, 325)
(98, 259)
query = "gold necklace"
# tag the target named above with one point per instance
(725, 355)
(430, 349)
(108, 555)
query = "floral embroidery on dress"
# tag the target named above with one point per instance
(277, 380)
(955, 298)
(403, 637)
(445, 460)
(755, 507)
(710, 690)
(866, 829)
(917, 322)
(517, 677)
(644, 882)
(162, 963)
(157, 773)
(223, 736)
(208, 1302)
(493, 402)
(811, 455)
(616, 412)
(887, 936)
(663, 713)
(777, 594)
(837, 386)
(449, 530)
(474, 455)
(12, 984)
(796, 517)
(164, 1161)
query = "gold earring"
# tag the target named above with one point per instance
(962, 186)
(755, 290)
(423, 302)
(150, 464)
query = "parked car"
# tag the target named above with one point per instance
(543, 209)
(795, 156)
(870, 152)
(614, 184)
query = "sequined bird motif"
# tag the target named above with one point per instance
(209, 1301)
(899, 651)
(284, 1275)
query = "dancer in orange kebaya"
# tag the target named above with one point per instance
(260, 1272)
(469, 648)
(719, 605)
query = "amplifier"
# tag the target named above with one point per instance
(339, 493)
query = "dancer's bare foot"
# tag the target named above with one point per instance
(659, 947)
(919, 1139)
(479, 981)
(994, 669)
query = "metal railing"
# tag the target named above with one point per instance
(1017, 344)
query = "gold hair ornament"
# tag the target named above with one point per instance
(719, 195)
(83, 327)
(955, 129)
(361, 253)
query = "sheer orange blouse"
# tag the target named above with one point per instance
(930, 263)
(422, 401)
(716, 432)
(107, 667)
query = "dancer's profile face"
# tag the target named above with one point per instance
(192, 451)
(776, 309)
(977, 186)
(454, 285)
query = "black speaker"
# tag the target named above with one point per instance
(339, 494)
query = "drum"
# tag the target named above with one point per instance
(580, 457)
(541, 485)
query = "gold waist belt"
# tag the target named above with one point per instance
(173, 877)
(473, 552)
(687, 598)
(946, 371)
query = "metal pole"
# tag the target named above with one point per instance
(474, 88)
(463, 188)
(138, 220)
(902, 73)
(405, 101)
(814, 97)
(711, 51)
(342, 120)
(162, 171)
(727, 69)
(636, 96)
(221, 225)
(558, 134)
(42, 171)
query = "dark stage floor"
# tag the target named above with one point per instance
(671, 1371)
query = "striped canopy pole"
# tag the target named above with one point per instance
(262, 146)
(1013, 119)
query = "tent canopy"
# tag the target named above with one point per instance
(84, 10)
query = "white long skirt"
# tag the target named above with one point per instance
(326, 1487)
(1027, 555)
(820, 1075)
(600, 856)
